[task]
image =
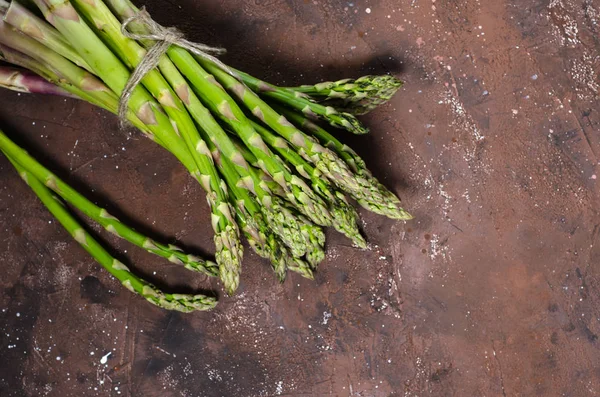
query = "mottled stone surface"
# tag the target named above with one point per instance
(493, 290)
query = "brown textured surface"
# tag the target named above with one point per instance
(493, 290)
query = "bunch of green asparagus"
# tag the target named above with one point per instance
(261, 153)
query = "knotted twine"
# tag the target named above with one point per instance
(164, 37)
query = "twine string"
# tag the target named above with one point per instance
(163, 37)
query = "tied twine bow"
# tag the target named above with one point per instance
(164, 38)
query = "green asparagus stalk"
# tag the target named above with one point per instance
(273, 209)
(297, 101)
(73, 87)
(311, 235)
(78, 77)
(356, 97)
(324, 159)
(177, 302)
(296, 189)
(28, 23)
(345, 216)
(265, 246)
(260, 236)
(371, 194)
(302, 196)
(285, 222)
(214, 135)
(222, 105)
(295, 230)
(354, 161)
(299, 266)
(106, 65)
(306, 226)
(132, 54)
(250, 217)
(100, 215)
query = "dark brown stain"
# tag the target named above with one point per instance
(440, 374)
(92, 290)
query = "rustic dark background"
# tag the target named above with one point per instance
(493, 290)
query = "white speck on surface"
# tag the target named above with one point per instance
(368, 10)
(104, 358)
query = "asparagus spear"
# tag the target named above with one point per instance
(311, 109)
(24, 81)
(296, 189)
(324, 159)
(262, 238)
(100, 215)
(215, 136)
(273, 250)
(273, 209)
(178, 302)
(387, 203)
(299, 226)
(27, 22)
(295, 230)
(76, 76)
(372, 194)
(222, 105)
(344, 216)
(356, 97)
(250, 217)
(354, 161)
(106, 65)
(73, 86)
(297, 265)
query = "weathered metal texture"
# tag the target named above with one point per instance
(493, 143)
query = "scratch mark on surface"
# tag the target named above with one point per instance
(499, 369)
(164, 351)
